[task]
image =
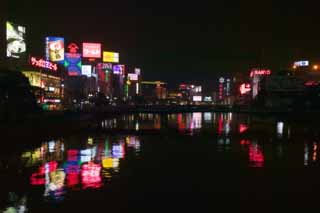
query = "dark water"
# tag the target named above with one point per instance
(200, 162)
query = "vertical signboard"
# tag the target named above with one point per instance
(15, 40)
(72, 60)
(55, 49)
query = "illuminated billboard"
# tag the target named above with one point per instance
(72, 60)
(105, 66)
(118, 69)
(91, 50)
(112, 57)
(16, 45)
(86, 70)
(55, 49)
(73, 63)
(301, 63)
(104, 70)
(132, 77)
(258, 72)
(197, 98)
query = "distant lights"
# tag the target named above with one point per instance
(315, 67)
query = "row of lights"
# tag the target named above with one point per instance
(314, 67)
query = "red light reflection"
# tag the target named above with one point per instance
(181, 125)
(90, 175)
(72, 180)
(220, 125)
(244, 142)
(38, 178)
(256, 157)
(243, 128)
(73, 155)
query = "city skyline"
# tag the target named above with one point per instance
(171, 42)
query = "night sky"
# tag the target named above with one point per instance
(178, 41)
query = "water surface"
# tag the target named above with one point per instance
(201, 161)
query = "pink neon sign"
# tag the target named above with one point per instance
(43, 64)
(91, 50)
(260, 72)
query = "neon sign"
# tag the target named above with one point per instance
(245, 88)
(73, 48)
(43, 64)
(260, 72)
(119, 69)
(91, 50)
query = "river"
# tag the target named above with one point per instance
(168, 162)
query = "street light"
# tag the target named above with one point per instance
(294, 67)
(315, 67)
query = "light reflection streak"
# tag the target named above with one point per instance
(78, 168)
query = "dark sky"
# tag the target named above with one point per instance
(178, 41)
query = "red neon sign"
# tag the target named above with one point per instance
(43, 64)
(245, 88)
(73, 48)
(260, 72)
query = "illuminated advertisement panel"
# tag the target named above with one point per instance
(73, 63)
(103, 70)
(72, 60)
(16, 45)
(55, 49)
(301, 63)
(197, 98)
(86, 70)
(133, 77)
(105, 66)
(119, 69)
(91, 50)
(112, 57)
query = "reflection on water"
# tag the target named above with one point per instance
(57, 170)
(311, 154)
(60, 167)
(222, 123)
